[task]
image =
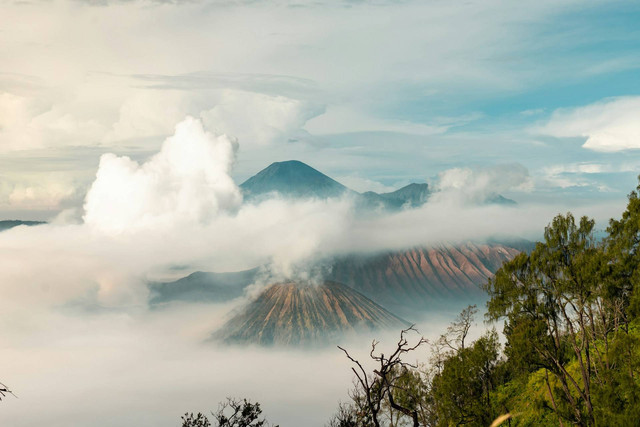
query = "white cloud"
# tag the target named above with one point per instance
(610, 125)
(468, 185)
(187, 181)
(45, 195)
(39, 191)
(29, 122)
(582, 174)
(361, 185)
(259, 119)
(582, 168)
(147, 113)
(342, 119)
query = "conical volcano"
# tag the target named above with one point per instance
(292, 179)
(294, 313)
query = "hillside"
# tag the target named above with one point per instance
(294, 313)
(202, 286)
(408, 281)
(412, 196)
(419, 277)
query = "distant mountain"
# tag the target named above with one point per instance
(423, 278)
(295, 179)
(408, 282)
(295, 313)
(10, 223)
(202, 287)
(292, 179)
(498, 199)
(412, 196)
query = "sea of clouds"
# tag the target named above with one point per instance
(80, 345)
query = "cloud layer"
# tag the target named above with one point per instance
(480, 184)
(379, 92)
(610, 125)
(74, 295)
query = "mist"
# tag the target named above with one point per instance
(80, 346)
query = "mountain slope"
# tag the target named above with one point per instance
(292, 179)
(498, 199)
(413, 196)
(294, 313)
(421, 277)
(202, 287)
(408, 282)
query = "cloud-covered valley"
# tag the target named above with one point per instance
(130, 127)
(75, 293)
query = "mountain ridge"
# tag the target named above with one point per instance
(292, 178)
(423, 277)
(407, 282)
(296, 179)
(11, 223)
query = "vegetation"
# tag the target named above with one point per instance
(232, 413)
(571, 312)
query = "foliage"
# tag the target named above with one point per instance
(199, 420)
(571, 309)
(462, 390)
(231, 413)
(234, 413)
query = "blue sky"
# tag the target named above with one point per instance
(376, 94)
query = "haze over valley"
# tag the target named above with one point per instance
(204, 199)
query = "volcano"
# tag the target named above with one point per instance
(292, 179)
(301, 313)
(407, 282)
(297, 180)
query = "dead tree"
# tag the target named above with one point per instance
(380, 387)
(4, 390)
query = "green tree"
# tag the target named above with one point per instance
(462, 390)
(548, 298)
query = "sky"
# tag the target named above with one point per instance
(128, 126)
(375, 94)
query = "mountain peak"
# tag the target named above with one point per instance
(300, 313)
(295, 179)
(292, 178)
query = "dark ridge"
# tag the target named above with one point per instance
(10, 223)
(497, 199)
(411, 196)
(202, 287)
